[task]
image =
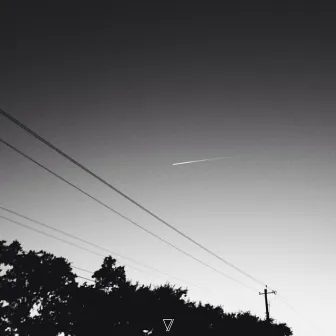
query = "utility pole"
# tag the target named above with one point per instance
(266, 302)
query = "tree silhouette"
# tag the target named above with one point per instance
(34, 291)
(39, 296)
(110, 277)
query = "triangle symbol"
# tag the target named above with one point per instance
(168, 323)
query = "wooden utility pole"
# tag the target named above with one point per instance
(266, 302)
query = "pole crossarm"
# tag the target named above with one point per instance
(273, 292)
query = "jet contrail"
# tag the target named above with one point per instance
(181, 163)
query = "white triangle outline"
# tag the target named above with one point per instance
(171, 321)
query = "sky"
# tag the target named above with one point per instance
(130, 89)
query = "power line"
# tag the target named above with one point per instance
(91, 244)
(52, 236)
(119, 214)
(93, 252)
(78, 276)
(80, 239)
(302, 316)
(82, 269)
(85, 249)
(63, 240)
(17, 122)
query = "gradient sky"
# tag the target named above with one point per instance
(130, 90)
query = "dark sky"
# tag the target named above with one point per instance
(130, 88)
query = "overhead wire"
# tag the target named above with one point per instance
(81, 240)
(124, 217)
(93, 252)
(285, 301)
(67, 242)
(84, 278)
(52, 236)
(63, 240)
(81, 269)
(101, 255)
(91, 244)
(40, 138)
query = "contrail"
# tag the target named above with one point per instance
(181, 163)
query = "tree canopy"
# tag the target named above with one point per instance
(39, 295)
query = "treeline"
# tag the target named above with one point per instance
(39, 296)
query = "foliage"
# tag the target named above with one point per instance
(39, 296)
